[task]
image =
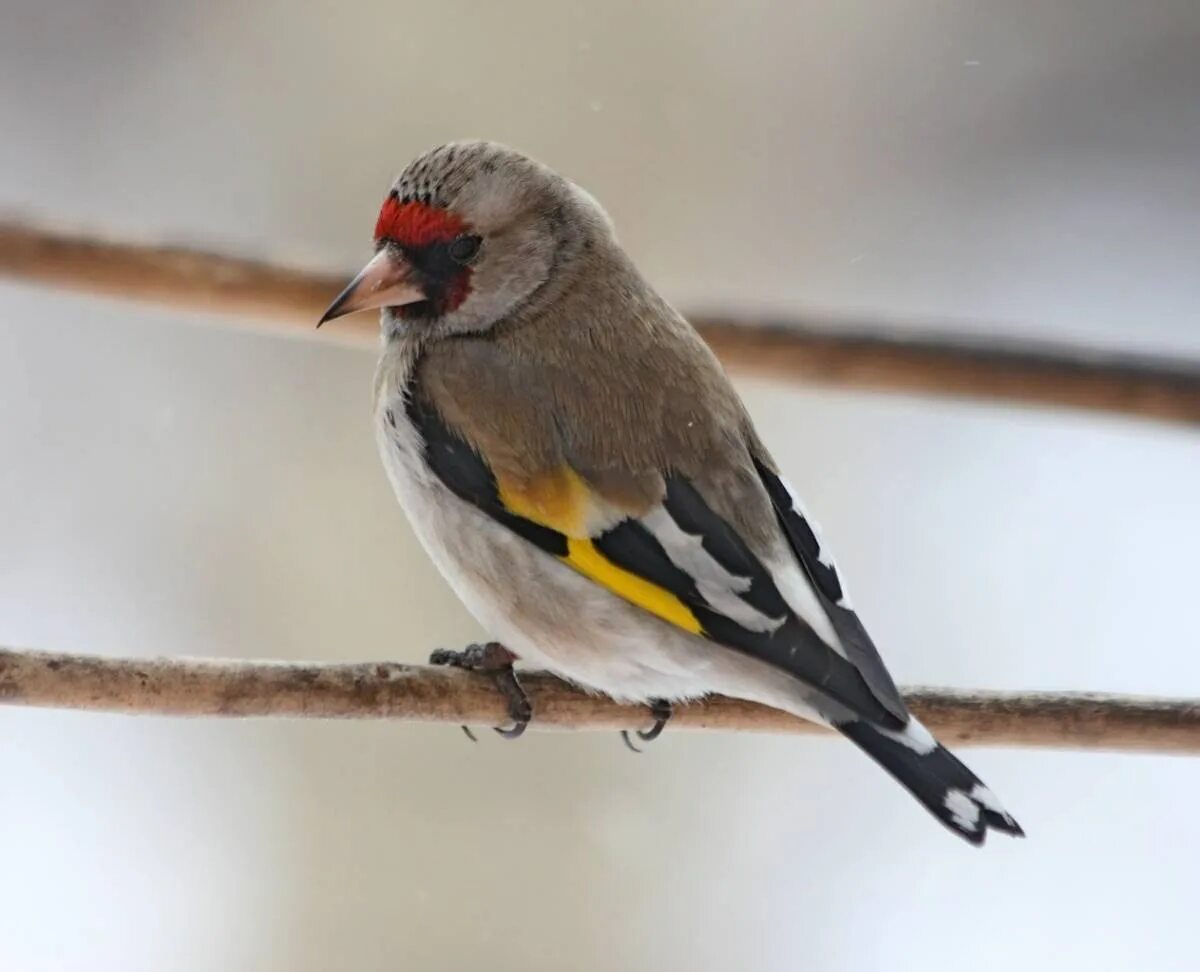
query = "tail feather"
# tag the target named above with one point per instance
(931, 773)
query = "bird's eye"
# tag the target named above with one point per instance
(464, 248)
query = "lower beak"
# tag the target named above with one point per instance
(387, 281)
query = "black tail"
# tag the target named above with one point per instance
(932, 774)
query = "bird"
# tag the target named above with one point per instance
(580, 469)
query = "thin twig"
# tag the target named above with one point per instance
(1041, 375)
(384, 690)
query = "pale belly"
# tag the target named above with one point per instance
(554, 618)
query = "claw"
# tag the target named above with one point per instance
(661, 710)
(496, 661)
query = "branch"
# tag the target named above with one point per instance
(407, 693)
(1040, 375)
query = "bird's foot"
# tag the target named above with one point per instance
(495, 661)
(661, 710)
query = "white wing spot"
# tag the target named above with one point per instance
(915, 736)
(798, 593)
(718, 586)
(981, 794)
(823, 554)
(963, 809)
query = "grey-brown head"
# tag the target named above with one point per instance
(470, 232)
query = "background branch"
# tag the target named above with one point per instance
(384, 690)
(940, 365)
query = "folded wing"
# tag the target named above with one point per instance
(675, 558)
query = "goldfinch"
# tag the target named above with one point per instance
(580, 469)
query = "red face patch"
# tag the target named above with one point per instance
(414, 224)
(425, 233)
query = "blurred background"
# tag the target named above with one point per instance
(173, 486)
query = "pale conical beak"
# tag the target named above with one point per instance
(387, 281)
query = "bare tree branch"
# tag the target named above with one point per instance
(1040, 375)
(384, 690)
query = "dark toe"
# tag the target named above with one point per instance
(513, 732)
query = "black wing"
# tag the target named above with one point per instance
(823, 577)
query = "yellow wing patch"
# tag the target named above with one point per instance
(558, 499)
(585, 558)
(562, 501)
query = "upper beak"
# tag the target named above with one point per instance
(387, 281)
